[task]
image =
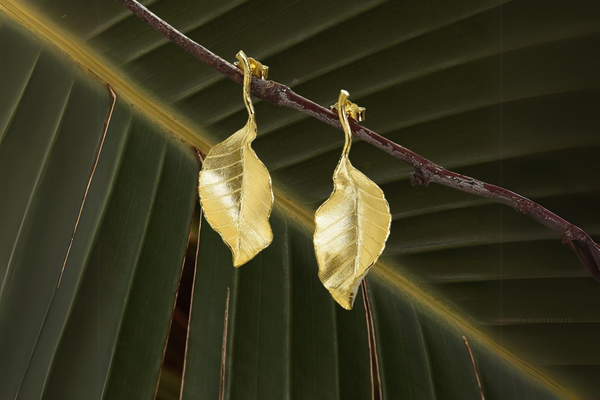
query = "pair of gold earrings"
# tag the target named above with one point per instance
(236, 194)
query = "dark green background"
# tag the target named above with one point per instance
(507, 92)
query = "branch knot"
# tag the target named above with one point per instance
(420, 177)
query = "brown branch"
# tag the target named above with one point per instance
(425, 171)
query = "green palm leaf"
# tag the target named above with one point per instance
(502, 91)
(111, 312)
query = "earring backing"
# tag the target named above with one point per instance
(258, 69)
(352, 110)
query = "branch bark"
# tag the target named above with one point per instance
(425, 171)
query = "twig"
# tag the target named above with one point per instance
(425, 171)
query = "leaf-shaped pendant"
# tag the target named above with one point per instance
(235, 188)
(352, 226)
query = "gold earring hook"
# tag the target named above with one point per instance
(250, 67)
(346, 109)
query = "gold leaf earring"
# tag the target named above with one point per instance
(352, 226)
(235, 187)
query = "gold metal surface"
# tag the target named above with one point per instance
(259, 70)
(352, 226)
(352, 110)
(235, 187)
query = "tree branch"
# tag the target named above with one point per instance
(425, 171)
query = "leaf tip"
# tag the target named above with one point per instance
(345, 298)
(346, 304)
